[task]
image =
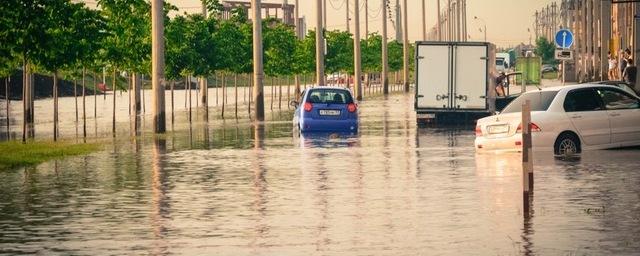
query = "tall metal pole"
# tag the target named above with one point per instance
(258, 93)
(439, 26)
(348, 18)
(385, 50)
(204, 87)
(366, 18)
(405, 47)
(299, 36)
(319, 45)
(356, 52)
(157, 66)
(324, 18)
(424, 20)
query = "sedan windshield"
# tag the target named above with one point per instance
(540, 101)
(329, 96)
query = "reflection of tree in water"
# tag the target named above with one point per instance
(260, 188)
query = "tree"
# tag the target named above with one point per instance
(339, 56)
(545, 50)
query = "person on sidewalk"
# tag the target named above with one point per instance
(613, 63)
(629, 74)
(624, 55)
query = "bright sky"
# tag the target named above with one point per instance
(507, 20)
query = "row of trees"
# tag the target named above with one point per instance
(62, 38)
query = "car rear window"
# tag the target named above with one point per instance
(540, 101)
(329, 96)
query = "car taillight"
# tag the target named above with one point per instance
(352, 107)
(534, 128)
(478, 131)
(308, 106)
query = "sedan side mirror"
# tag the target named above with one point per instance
(294, 103)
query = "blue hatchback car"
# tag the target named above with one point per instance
(326, 109)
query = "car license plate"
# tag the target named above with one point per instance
(328, 112)
(496, 129)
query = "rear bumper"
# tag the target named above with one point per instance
(541, 141)
(314, 125)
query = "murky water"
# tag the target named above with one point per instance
(233, 189)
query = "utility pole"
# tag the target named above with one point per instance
(385, 50)
(424, 20)
(299, 36)
(204, 86)
(398, 22)
(348, 18)
(356, 52)
(319, 45)
(366, 19)
(406, 47)
(439, 26)
(258, 92)
(157, 66)
(464, 20)
(324, 18)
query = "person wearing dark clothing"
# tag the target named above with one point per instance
(624, 57)
(500, 82)
(629, 74)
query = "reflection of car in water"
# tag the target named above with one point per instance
(327, 140)
(566, 119)
(326, 109)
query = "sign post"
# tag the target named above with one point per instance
(564, 40)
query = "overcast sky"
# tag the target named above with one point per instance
(507, 20)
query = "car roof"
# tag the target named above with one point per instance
(328, 87)
(573, 86)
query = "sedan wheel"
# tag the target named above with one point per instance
(567, 145)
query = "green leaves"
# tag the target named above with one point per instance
(545, 49)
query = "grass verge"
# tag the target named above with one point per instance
(15, 154)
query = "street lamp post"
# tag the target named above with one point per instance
(485, 26)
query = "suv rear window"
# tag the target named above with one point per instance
(540, 101)
(329, 96)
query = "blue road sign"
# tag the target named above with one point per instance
(564, 38)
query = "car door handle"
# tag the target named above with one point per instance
(614, 114)
(576, 116)
(420, 96)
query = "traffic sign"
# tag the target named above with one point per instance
(562, 54)
(564, 38)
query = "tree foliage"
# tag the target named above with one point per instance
(545, 49)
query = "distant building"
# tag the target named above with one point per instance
(285, 12)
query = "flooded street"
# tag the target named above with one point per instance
(229, 188)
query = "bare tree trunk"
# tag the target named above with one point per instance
(95, 95)
(197, 95)
(8, 99)
(250, 93)
(130, 84)
(84, 105)
(218, 83)
(75, 98)
(173, 109)
(244, 92)
(273, 92)
(224, 93)
(113, 123)
(189, 96)
(280, 93)
(235, 85)
(26, 107)
(288, 91)
(186, 81)
(144, 101)
(55, 105)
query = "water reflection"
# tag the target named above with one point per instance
(247, 188)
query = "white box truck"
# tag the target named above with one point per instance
(455, 81)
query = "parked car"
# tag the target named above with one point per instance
(622, 84)
(548, 68)
(566, 120)
(326, 109)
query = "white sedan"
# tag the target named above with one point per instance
(566, 120)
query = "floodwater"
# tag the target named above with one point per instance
(231, 188)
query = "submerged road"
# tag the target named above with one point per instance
(228, 188)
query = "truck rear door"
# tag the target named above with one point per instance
(433, 76)
(470, 77)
